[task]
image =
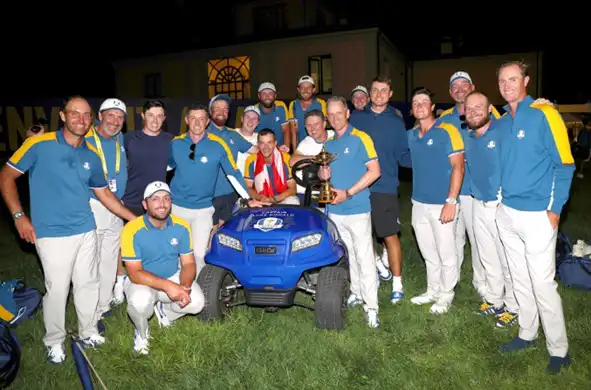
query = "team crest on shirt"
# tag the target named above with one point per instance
(346, 150)
(231, 141)
(521, 134)
(174, 242)
(86, 166)
(203, 159)
(430, 142)
(276, 119)
(491, 144)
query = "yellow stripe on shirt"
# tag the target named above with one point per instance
(219, 140)
(128, 236)
(559, 132)
(367, 142)
(457, 143)
(180, 221)
(29, 143)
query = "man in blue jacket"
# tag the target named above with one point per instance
(388, 132)
(537, 172)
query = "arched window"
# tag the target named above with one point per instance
(230, 76)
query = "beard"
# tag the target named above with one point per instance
(475, 125)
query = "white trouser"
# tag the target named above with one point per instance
(108, 235)
(499, 286)
(464, 226)
(436, 242)
(66, 260)
(141, 300)
(290, 200)
(530, 244)
(355, 230)
(201, 221)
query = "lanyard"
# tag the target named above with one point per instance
(99, 147)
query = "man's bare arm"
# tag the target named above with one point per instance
(372, 174)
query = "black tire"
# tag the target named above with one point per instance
(211, 280)
(331, 293)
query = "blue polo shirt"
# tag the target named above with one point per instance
(354, 149)
(296, 111)
(60, 181)
(237, 144)
(452, 116)
(430, 161)
(388, 132)
(194, 180)
(483, 161)
(111, 147)
(157, 249)
(538, 165)
(147, 159)
(251, 165)
(273, 120)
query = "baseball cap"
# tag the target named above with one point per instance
(154, 187)
(267, 85)
(306, 79)
(252, 109)
(113, 103)
(460, 75)
(221, 96)
(359, 88)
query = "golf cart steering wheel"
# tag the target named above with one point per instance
(309, 177)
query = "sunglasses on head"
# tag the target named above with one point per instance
(192, 154)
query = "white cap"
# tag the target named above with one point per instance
(113, 103)
(359, 88)
(154, 187)
(459, 75)
(252, 109)
(267, 85)
(306, 79)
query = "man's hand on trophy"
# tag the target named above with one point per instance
(324, 172)
(339, 196)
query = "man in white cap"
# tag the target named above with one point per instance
(307, 102)
(273, 112)
(359, 97)
(250, 120)
(158, 252)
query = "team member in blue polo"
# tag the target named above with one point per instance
(353, 171)
(225, 195)
(537, 174)
(388, 132)
(307, 101)
(273, 112)
(197, 157)
(483, 145)
(157, 250)
(438, 168)
(63, 169)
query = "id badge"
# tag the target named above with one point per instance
(113, 185)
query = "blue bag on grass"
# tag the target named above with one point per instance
(572, 271)
(17, 302)
(10, 355)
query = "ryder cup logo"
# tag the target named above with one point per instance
(268, 224)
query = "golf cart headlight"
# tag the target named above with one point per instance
(306, 242)
(229, 242)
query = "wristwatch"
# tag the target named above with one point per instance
(349, 196)
(243, 203)
(18, 215)
(451, 201)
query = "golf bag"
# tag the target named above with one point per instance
(571, 270)
(10, 355)
(17, 302)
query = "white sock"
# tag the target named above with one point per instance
(397, 283)
(120, 278)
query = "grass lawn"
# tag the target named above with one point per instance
(413, 349)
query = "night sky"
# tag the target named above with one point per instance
(64, 50)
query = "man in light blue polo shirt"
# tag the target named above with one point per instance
(158, 252)
(63, 169)
(197, 157)
(483, 145)
(307, 101)
(437, 153)
(351, 173)
(273, 112)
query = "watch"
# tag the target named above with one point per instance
(451, 201)
(348, 194)
(18, 215)
(243, 203)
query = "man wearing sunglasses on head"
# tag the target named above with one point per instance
(197, 156)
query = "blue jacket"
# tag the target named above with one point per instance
(537, 162)
(388, 133)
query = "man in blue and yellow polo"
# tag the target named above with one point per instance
(273, 112)
(158, 254)
(307, 102)
(63, 169)
(437, 153)
(197, 157)
(537, 174)
(351, 173)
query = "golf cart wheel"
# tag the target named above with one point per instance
(331, 292)
(213, 282)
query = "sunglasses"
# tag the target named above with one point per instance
(192, 154)
(464, 125)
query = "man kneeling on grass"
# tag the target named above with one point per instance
(159, 284)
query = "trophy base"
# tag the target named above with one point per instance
(326, 195)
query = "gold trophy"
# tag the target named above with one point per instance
(323, 159)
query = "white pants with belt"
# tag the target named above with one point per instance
(201, 221)
(499, 285)
(465, 227)
(108, 231)
(141, 300)
(355, 230)
(65, 260)
(530, 245)
(436, 242)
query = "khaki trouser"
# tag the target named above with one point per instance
(201, 221)
(108, 230)
(68, 260)
(465, 227)
(530, 245)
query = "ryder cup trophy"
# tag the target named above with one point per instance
(323, 159)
